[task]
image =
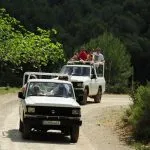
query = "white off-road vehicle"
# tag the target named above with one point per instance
(49, 104)
(87, 79)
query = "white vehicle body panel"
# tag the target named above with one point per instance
(51, 101)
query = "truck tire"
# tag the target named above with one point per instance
(74, 134)
(26, 131)
(84, 98)
(20, 126)
(97, 98)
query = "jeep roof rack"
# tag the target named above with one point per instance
(81, 62)
(44, 75)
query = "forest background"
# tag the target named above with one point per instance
(109, 24)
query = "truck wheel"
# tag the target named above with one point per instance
(97, 98)
(20, 126)
(84, 98)
(26, 131)
(74, 134)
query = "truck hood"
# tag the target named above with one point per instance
(79, 78)
(51, 101)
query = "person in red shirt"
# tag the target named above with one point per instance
(82, 54)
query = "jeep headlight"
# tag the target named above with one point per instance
(76, 112)
(80, 84)
(31, 109)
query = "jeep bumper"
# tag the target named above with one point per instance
(51, 122)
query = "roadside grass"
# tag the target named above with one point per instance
(126, 134)
(6, 90)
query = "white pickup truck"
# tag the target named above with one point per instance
(87, 79)
(49, 104)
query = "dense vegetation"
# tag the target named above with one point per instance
(79, 21)
(118, 68)
(138, 119)
(21, 49)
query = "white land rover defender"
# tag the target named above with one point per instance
(87, 79)
(49, 104)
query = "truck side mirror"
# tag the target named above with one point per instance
(93, 76)
(20, 95)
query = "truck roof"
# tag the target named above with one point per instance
(49, 80)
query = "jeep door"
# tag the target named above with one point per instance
(93, 83)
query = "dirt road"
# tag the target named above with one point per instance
(96, 133)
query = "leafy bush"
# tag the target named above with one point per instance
(140, 110)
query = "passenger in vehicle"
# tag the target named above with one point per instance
(59, 91)
(36, 91)
(23, 89)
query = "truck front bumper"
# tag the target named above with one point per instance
(51, 122)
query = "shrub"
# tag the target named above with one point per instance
(140, 113)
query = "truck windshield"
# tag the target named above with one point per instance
(51, 89)
(76, 70)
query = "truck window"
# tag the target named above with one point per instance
(99, 70)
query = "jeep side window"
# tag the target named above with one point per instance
(99, 70)
(92, 71)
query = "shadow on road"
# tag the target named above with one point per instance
(89, 103)
(38, 137)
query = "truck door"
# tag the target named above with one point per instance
(93, 87)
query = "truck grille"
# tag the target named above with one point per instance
(53, 111)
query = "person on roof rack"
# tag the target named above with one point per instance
(75, 57)
(89, 56)
(82, 54)
(98, 56)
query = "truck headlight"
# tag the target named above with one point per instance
(76, 112)
(80, 84)
(31, 109)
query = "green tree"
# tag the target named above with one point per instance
(20, 48)
(117, 61)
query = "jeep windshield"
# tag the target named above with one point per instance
(50, 89)
(76, 70)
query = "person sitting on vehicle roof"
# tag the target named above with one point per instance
(82, 54)
(98, 56)
(89, 56)
(75, 57)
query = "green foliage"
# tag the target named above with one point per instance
(140, 110)
(19, 46)
(77, 22)
(23, 50)
(118, 67)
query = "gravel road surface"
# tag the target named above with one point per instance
(96, 133)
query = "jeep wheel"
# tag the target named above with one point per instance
(97, 98)
(84, 98)
(74, 134)
(20, 126)
(26, 131)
